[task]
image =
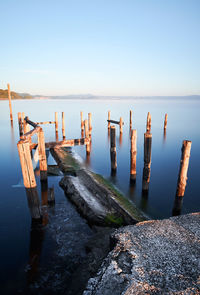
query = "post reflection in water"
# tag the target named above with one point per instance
(164, 135)
(132, 189)
(120, 139)
(178, 203)
(44, 197)
(147, 163)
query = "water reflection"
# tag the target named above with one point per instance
(120, 139)
(147, 163)
(44, 199)
(33, 202)
(164, 135)
(178, 203)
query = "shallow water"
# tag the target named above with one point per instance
(183, 123)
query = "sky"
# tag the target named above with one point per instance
(101, 47)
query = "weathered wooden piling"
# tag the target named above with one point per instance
(87, 136)
(10, 105)
(165, 122)
(148, 126)
(108, 120)
(121, 125)
(82, 123)
(133, 154)
(90, 123)
(182, 177)
(26, 164)
(130, 119)
(113, 154)
(42, 155)
(20, 124)
(51, 196)
(147, 162)
(63, 125)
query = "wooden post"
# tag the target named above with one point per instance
(10, 106)
(20, 125)
(113, 155)
(82, 122)
(26, 164)
(130, 120)
(51, 196)
(182, 178)
(42, 155)
(90, 123)
(56, 125)
(108, 119)
(147, 161)
(63, 125)
(165, 122)
(120, 125)
(23, 119)
(133, 155)
(87, 136)
(148, 127)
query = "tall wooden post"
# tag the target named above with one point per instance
(120, 125)
(147, 162)
(130, 120)
(87, 136)
(10, 106)
(148, 127)
(113, 154)
(182, 178)
(56, 125)
(20, 125)
(42, 155)
(26, 164)
(165, 122)
(90, 123)
(63, 125)
(108, 119)
(133, 155)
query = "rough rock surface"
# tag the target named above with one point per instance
(152, 257)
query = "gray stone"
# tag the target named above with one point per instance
(152, 257)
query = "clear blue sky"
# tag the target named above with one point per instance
(111, 47)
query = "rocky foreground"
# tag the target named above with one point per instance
(152, 257)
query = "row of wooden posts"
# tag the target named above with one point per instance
(186, 147)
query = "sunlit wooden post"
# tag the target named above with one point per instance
(82, 123)
(165, 122)
(120, 125)
(26, 164)
(113, 154)
(87, 136)
(148, 127)
(182, 178)
(20, 124)
(42, 155)
(56, 125)
(90, 123)
(63, 125)
(130, 119)
(133, 155)
(147, 161)
(108, 119)
(10, 106)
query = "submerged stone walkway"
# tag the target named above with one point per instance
(152, 257)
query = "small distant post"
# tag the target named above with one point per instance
(147, 162)
(113, 154)
(133, 155)
(42, 155)
(90, 123)
(63, 125)
(87, 136)
(165, 122)
(120, 125)
(108, 119)
(10, 106)
(148, 127)
(182, 178)
(130, 120)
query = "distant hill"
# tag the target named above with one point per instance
(14, 95)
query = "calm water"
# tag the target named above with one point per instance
(15, 221)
